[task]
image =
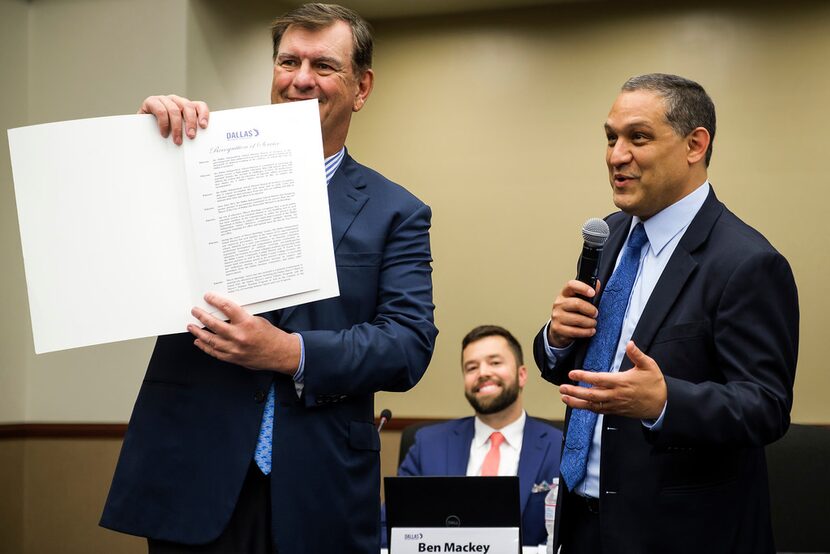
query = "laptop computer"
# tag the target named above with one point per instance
(413, 502)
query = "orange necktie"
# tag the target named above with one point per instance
(490, 468)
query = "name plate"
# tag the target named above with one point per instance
(483, 540)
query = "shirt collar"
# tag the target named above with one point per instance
(512, 432)
(663, 226)
(333, 162)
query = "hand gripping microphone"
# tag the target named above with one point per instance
(385, 415)
(594, 234)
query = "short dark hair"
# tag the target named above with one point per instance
(484, 331)
(687, 104)
(315, 16)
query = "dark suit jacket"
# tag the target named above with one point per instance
(722, 324)
(195, 424)
(444, 449)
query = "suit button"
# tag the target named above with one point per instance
(260, 396)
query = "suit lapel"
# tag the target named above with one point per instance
(681, 266)
(458, 447)
(346, 198)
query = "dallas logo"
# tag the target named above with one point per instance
(234, 135)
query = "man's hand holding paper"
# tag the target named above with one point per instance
(172, 110)
(246, 340)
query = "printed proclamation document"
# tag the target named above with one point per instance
(123, 232)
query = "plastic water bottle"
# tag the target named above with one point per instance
(550, 511)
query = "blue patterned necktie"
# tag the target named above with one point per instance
(262, 455)
(600, 354)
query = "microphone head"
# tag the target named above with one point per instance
(595, 232)
(386, 414)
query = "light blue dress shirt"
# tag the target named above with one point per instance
(664, 231)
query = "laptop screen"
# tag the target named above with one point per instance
(452, 502)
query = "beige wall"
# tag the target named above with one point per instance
(14, 325)
(85, 58)
(13, 91)
(65, 485)
(494, 119)
(58, 487)
(11, 495)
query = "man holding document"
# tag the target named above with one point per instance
(256, 434)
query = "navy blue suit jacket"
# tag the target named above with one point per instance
(444, 449)
(722, 324)
(195, 424)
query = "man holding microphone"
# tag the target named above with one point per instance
(678, 368)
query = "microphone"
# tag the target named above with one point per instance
(594, 234)
(385, 415)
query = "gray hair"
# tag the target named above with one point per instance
(687, 104)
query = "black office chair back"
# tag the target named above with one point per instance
(799, 486)
(408, 438)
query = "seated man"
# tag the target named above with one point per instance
(501, 439)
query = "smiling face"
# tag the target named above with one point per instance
(492, 380)
(318, 64)
(650, 166)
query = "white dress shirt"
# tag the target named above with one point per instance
(664, 231)
(509, 450)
